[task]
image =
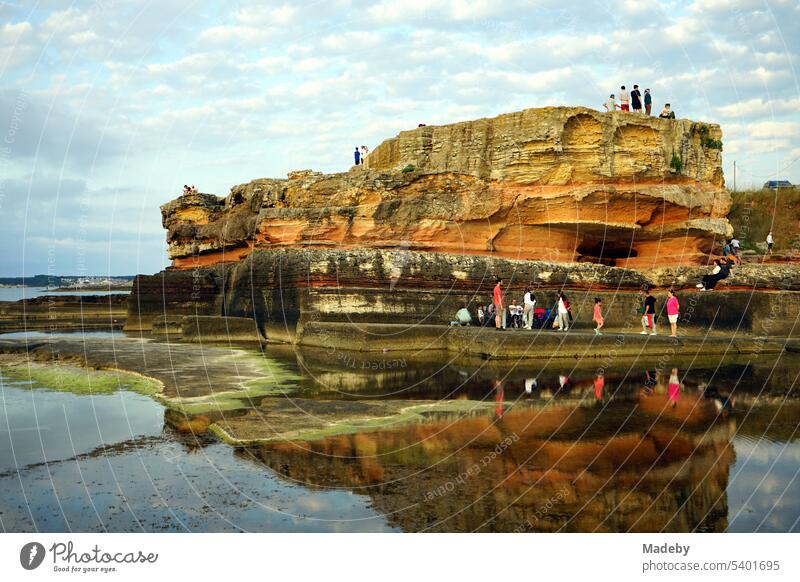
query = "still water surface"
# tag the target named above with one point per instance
(700, 448)
(17, 293)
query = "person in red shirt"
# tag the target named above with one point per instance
(499, 305)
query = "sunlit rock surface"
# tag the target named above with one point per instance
(599, 204)
(556, 184)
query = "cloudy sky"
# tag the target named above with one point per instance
(107, 108)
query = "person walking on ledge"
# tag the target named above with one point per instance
(673, 311)
(648, 102)
(529, 302)
(770, 242)
(598, 315)
(499, 306)
(563, 312)
(649, 317)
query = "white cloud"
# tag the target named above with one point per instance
(279, 85)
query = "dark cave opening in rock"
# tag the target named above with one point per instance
(603, 251)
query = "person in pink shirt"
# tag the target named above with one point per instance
(598, 315)
(673, 310)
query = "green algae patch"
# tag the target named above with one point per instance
(223, 401)
(261, 377)
(78, 380)
(363, 417)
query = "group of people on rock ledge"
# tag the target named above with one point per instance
(501, 315)
(634, 100)
(360, 155)
(525, 315)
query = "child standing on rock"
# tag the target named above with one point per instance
(598, 315)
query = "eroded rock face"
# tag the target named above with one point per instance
(555, 184)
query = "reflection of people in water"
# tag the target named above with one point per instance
(530, 385)
(674, 388)
(563, 381)
(649, 382)
(599, 383)
(499, 396)
(724, 403)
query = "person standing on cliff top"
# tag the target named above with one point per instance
(499, 306)
(611, 104)
(364, 152)
(636, 99)
(357, 156)
(648, 102)
(624, 99)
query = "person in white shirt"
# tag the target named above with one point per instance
(364, 152)
(563, 312)
(611, 104)
(624, 99)
(770, 242)
(528, 303)
(735, 250)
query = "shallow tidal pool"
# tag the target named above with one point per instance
(553, 447)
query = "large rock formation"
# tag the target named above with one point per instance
(556, 184)
(553, 197)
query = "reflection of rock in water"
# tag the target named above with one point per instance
(562, 468)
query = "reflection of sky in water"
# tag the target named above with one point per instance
(41, 425)
(32, 335)
(17, 293)
(764, 486)
(152, 483)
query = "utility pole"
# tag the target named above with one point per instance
(734, 176)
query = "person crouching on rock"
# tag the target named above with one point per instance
(463, 316)
(722, 269)
(673, 310)
(499, 306)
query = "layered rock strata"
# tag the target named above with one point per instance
(556, 184)
(552, 198)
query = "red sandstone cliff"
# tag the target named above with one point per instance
(555, 184)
